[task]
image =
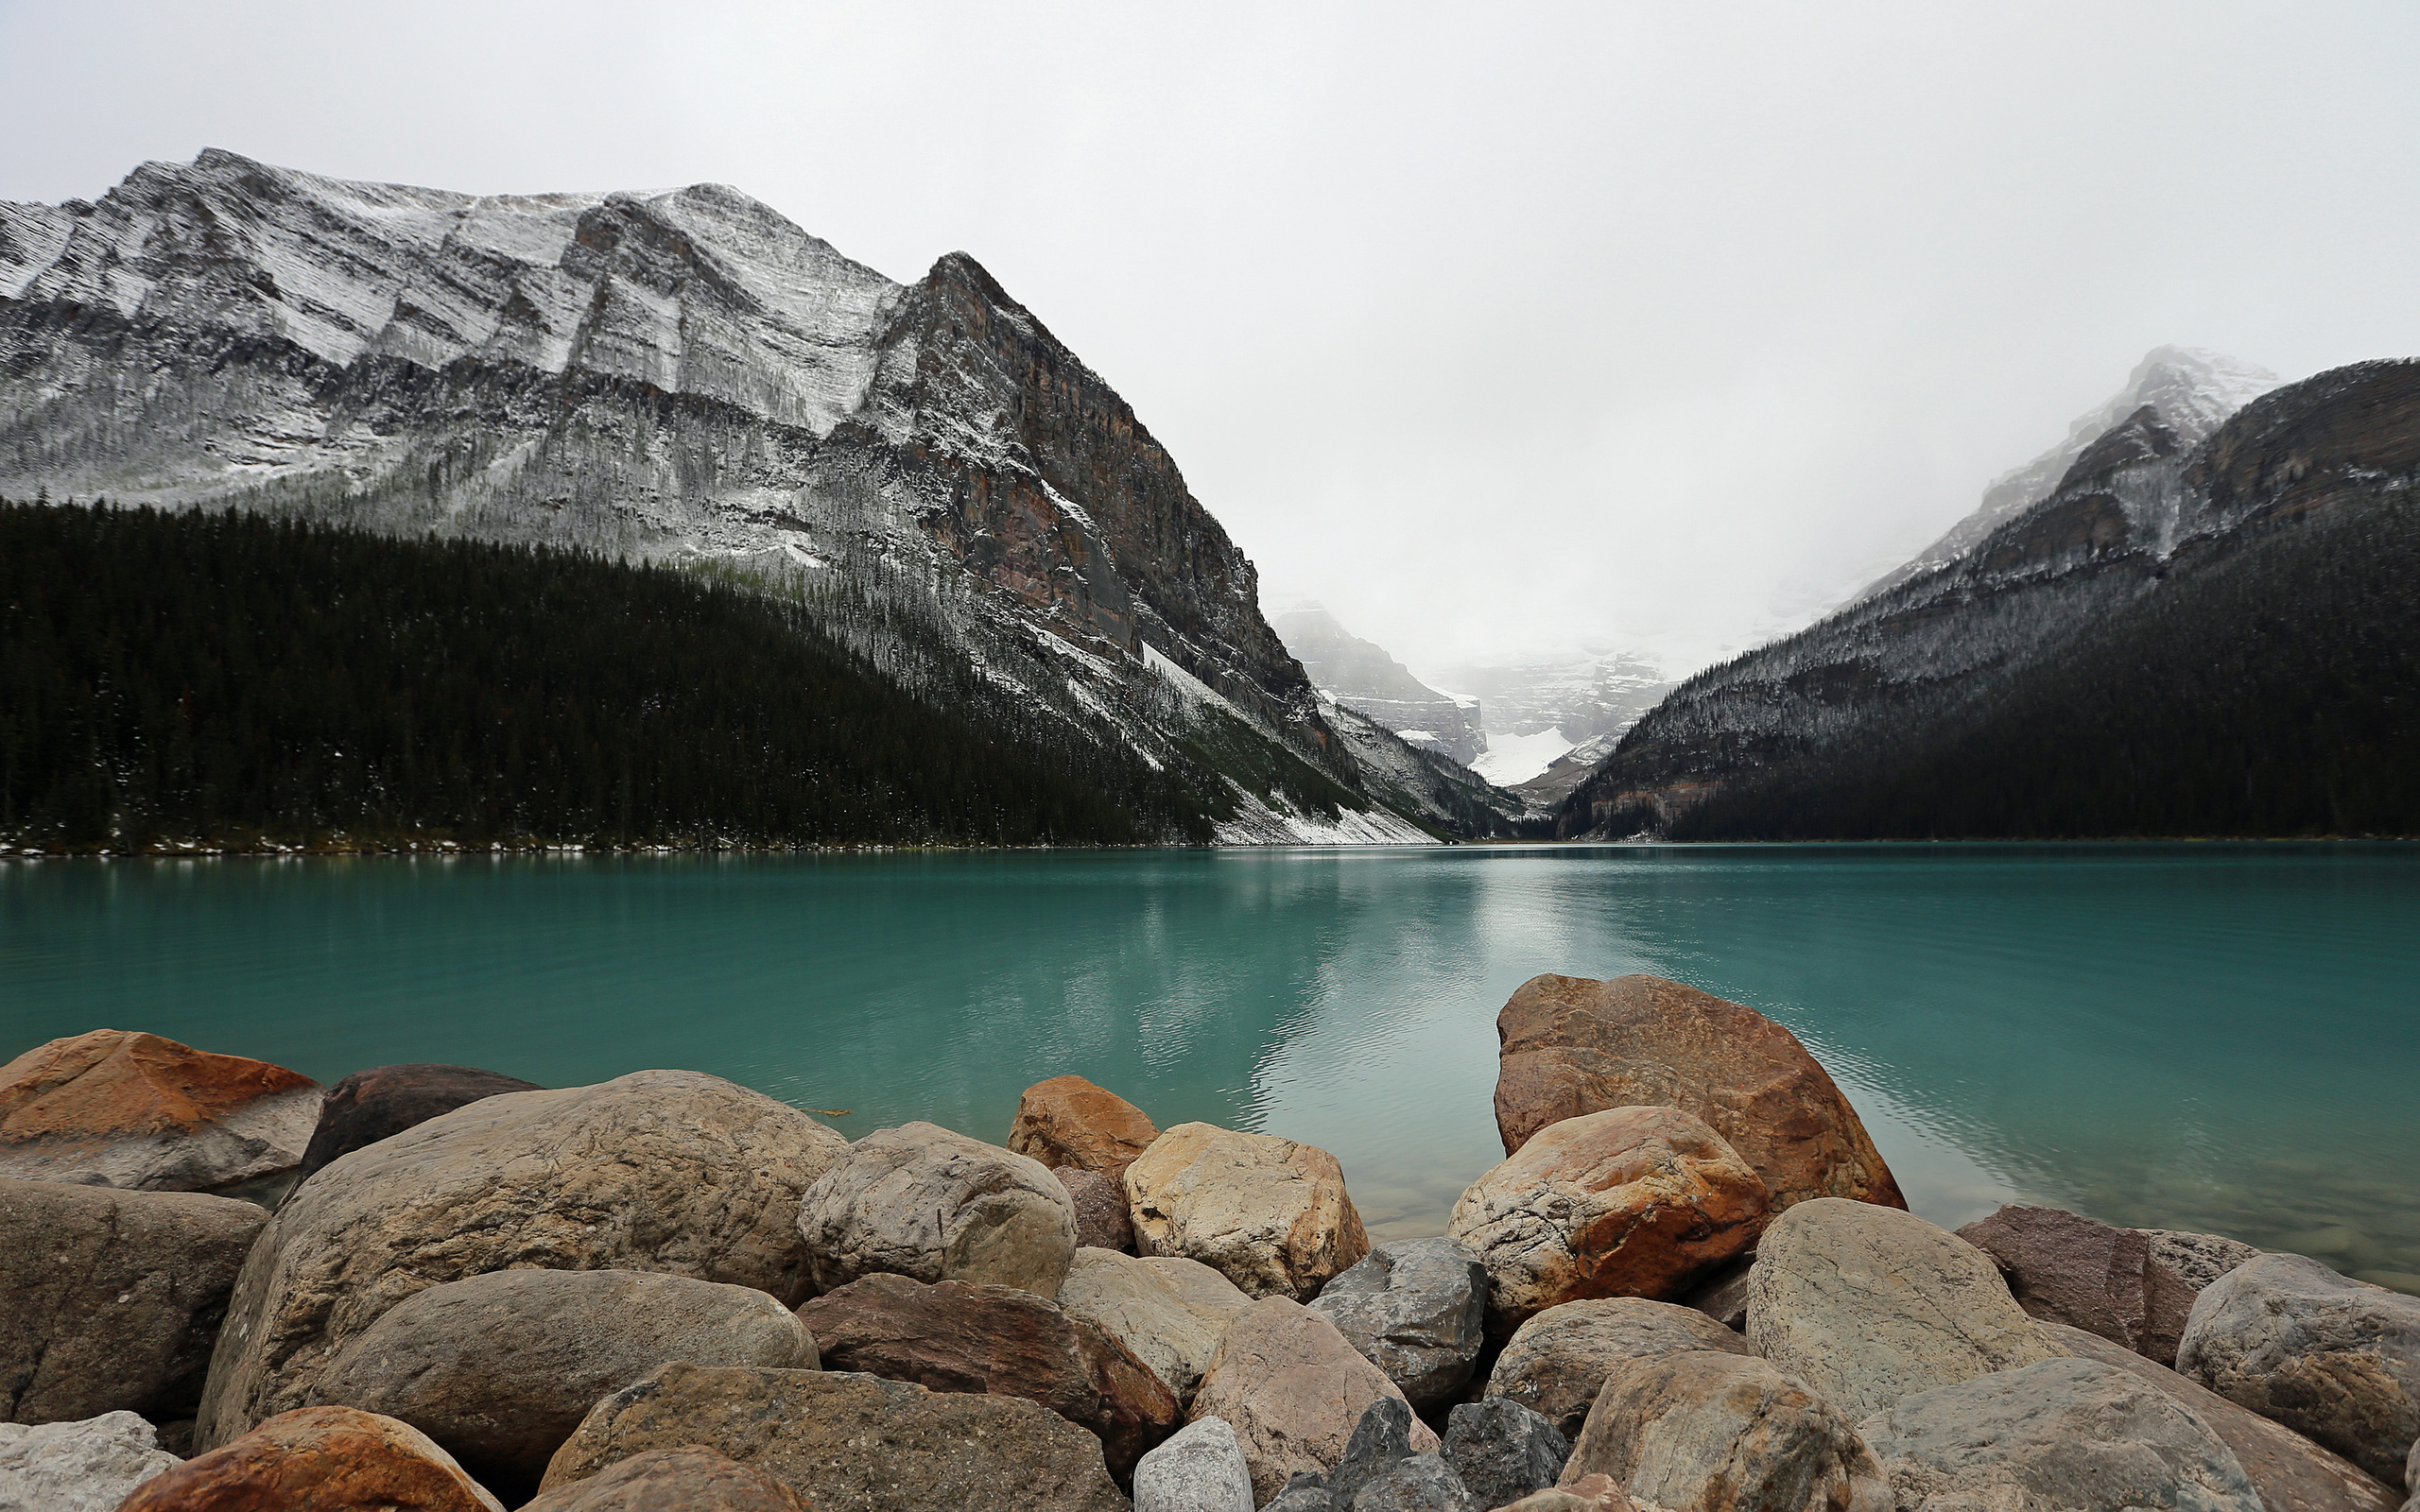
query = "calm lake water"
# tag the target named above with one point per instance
(2199, 1036)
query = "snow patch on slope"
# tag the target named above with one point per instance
(1510, 758)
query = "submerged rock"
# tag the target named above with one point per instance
(1270, 1214)
(1415, 1309)
(119, 1108)
(1068, 1121)
(369, 1105)
(317, 1459)
(1628, 1202)
(925, 1203)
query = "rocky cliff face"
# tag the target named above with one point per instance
(681, 375)
(2135, 504)
(1361, 675)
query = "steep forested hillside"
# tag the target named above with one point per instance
(225, 679)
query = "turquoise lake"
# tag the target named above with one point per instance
(2208, 1037)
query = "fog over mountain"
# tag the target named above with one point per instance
(1506, 336)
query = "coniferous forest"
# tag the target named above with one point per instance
(178, 678)
(2269, 688)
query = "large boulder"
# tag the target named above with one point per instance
(1102, 1221)
(1502, 1450)
(1270, 1214)
(852, 1443)
(133, 1111)
(1170, 1313)
(922, 1202)
(2334, 1359)
(669, 1171)
(319, 1459)
(951, 1337)
(690, 1478)
(1627, 1202)
(2288, 1470)
(1869, 1304)
(2063, 1267)
(370, 1105)
(1201, 1469)
(1559, 1360)
(1573, 1046)
(113, 1299)
(2197, 1259)
(1380, 1447)
(1708, 1431)
(1415, 1309)
(500, 1367)
(1590, 1493)
(1293, 1390)
(90, 1465)
(1068, 1121)
(2062, 1433)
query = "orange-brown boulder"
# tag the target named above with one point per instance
(319, 1459)
(1628, 1202)
(142, 1113)
(1573, 1046)
(1068, 1121)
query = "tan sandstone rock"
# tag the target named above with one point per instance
(690, 1478)
(1559, 1360)
(931, 1205)
(1870, 1304)
(319, 1459)
(1170, 1313)
(148, 1114)
(1628, 1202)
(1270, 1214)
(852, 1443)
(670, 1171)
(1068, 1121)
(1709, 1431)
(1572, 1046)
(1294, 1389)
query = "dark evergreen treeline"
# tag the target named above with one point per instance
(2270, 688)
(229, 678)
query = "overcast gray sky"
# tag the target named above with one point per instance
(1499, 328)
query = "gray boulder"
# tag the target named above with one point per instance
(1869, 1304)
(1199, 1469)
(1381, 1439)
(1708, 1431)
(1503, 1451)
(2334, 1359)
(1416, 1483)
(2059, 1433)
(113, 1299)
(500, 1368)
(1416, 1309)
(668, 1171)
(79, 1466)
(922, 1202)
(1560, 1358)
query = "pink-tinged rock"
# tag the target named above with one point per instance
(2063, 1267)
(1294, 1389)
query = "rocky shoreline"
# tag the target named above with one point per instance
(1692, 1285)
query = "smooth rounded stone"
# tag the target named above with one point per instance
(1869, 1304)
(2197, 1259)
(1270, 1214)
(1416, 1483)
(89, 1465)
(1572, 1046)
(691, 1479)
(922, 1202)
(2059, 1433)
(369, 1105)
(1415, 1309)
(499, 1369)
(2334, 1359)
(1502, 1450)
(1709, 1431)
(1590, 1493)
(319, 1459)
(1293, 1390)
(669, 1171)
(951, 1337)
(116, 1107)
(1170, 1317)
(846, 1442)
(1101, 1219)
(2288, 1470)
(1068, 1121)
(113, 1299)
(1201, 1469)
(2063, 1267)
(1559, 1360)
(1628, 1202)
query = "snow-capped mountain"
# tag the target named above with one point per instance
(680, 375)
(1360, 674)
